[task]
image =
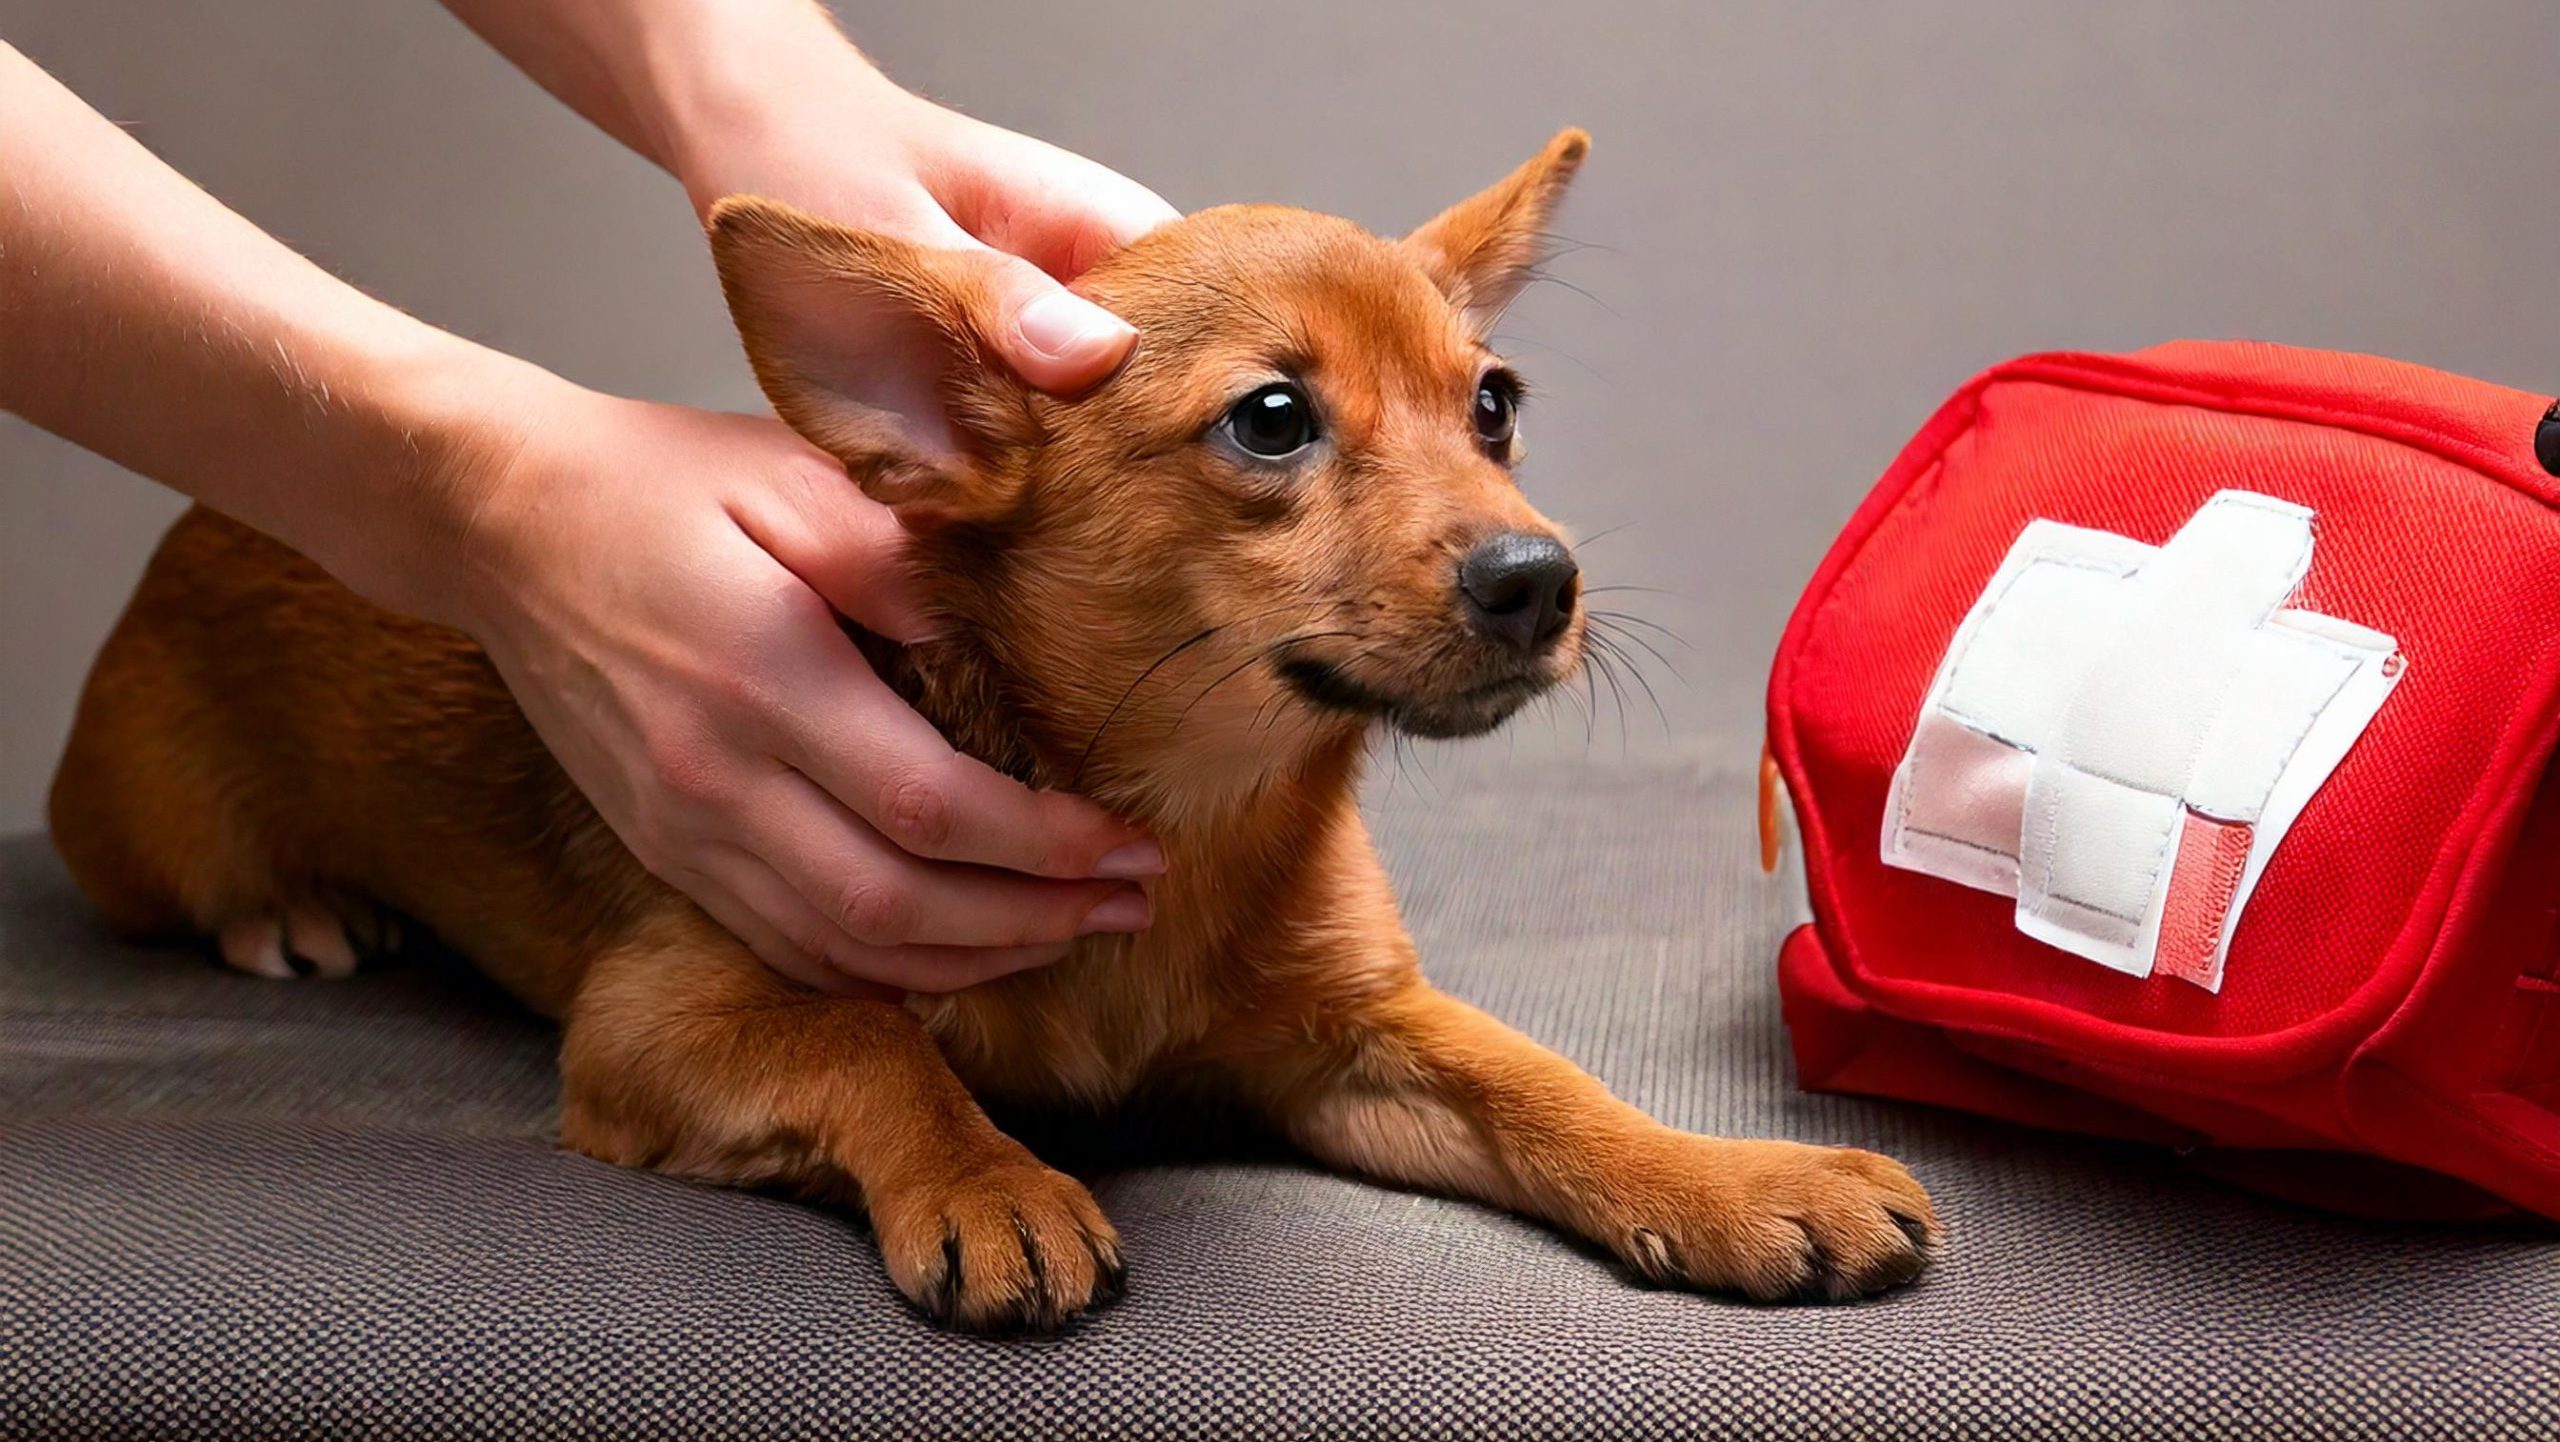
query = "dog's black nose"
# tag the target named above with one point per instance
(1519, 588)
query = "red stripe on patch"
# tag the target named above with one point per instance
(2211, 856)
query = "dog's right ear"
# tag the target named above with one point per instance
(876, 351)
(1480, 251)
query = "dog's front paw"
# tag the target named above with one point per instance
(1775, 1221)
(1011, 1247)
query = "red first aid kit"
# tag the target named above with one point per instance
(2166, 750)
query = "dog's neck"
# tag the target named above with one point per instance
(1274, 801)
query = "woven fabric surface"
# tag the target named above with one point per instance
(236, 1208)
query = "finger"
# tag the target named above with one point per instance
(833, 963)
(845, 546)
(862, 746)
(949, 968)
(1124, 210)
(1051, 337)
(1052, 207)
(879, 896)
(752, 904)
(1066, 229)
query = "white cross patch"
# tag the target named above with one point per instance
(2120, 735)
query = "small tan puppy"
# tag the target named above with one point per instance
(1191, 594)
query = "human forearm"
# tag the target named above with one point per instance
(695, 86)
(142, 319)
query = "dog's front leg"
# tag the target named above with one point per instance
(684, 1054)
(1415, 1087)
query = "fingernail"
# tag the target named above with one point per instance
(1067, 327)
(1134, 862)
(1122, 910)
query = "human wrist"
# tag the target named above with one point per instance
(439, 539)
(739, 87)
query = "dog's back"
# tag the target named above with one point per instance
(264, 756)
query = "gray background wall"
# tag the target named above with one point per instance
(1819, 219)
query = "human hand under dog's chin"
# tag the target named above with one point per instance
(659, 587)
(873, 156)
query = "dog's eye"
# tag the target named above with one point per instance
(1273, 422)
(1497, 408)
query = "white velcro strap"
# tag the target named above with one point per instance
(2116, 726)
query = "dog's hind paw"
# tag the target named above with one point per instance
(305, 940)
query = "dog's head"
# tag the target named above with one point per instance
(1290, 513)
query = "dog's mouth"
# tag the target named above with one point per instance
(1467, 711)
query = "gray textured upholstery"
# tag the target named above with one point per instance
(233, 1207)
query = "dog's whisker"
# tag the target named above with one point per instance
(1645, 590)
(1305, 636)
(1591, 689)
(1413, 748)
(1506, 340)
(1260, 653)
(1086, 757)
(1622, 638)
(1548, 700)
(1224, 677)
(1576, 698)
(1617, 697)
(1282, 695)
(1635, 673)
(1538, 274)
(1601, 535)
(1629, 618)
(1309, 720)
(1560, 245)
(1619, 639)
(1617, 694)
(1271, 705)
(1114, 713)
(1409, 764)
(1644, 685)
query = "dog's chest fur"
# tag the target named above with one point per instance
(1085, 1030)
(1246, 879)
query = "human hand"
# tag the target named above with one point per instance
(768, 97)
(659, 581)
(854, 148)
(659, 588)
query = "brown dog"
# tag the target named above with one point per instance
(1188, 594)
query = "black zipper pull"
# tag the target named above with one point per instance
(2546, 440)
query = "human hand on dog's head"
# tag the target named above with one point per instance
(863, 153)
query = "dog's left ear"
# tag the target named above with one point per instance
(1480, 250)
(877, 351)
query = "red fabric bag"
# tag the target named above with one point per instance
(2065, 685)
